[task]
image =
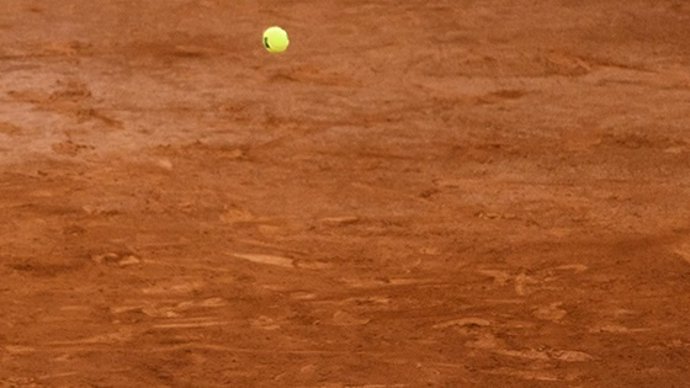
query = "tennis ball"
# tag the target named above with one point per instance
(276, 39)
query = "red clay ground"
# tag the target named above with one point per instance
(469, 193)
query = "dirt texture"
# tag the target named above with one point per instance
(417, 193)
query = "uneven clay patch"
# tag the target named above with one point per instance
(415, 194)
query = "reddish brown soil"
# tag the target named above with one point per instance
(418, 193)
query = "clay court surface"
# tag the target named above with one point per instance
(447, 193)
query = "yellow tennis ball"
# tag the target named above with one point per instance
(276, 39)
